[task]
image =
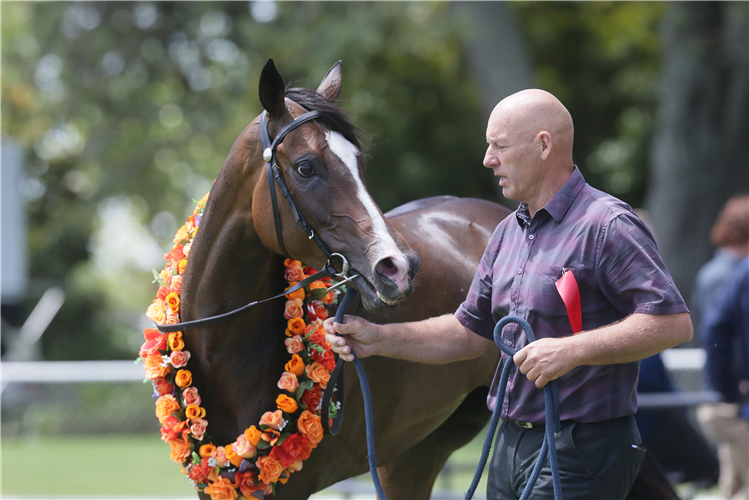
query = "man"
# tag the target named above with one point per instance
(630, 310)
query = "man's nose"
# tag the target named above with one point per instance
(490, 160)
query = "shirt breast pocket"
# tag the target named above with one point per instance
(550, 303)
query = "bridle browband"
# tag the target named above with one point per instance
(274, 172)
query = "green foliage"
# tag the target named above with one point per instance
(128, 110)
(602, 59)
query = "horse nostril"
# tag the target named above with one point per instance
(386, 267)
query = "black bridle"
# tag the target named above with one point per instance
(275, 174)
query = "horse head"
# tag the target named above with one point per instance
(323, 168)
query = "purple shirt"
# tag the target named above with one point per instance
(618, 270)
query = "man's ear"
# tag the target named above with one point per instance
(544, 144)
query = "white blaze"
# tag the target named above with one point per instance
(347, 153)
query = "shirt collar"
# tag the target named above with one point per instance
(559, 204)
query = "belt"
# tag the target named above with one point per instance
(527, 425)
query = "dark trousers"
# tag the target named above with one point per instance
(597, 461)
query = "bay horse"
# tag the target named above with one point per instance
(422, 412)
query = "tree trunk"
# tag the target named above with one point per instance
(497, 55)
(700, 156)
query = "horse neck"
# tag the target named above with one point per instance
(228, 268)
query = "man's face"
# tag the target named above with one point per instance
(512, 157)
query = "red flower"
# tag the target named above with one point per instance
(312, 398)
(326, 359)
(315, 310)
(199, 473)
(172, 428)
(176, 254)
(155, 341)
(246, 483)
(318, 337)
(295, 447)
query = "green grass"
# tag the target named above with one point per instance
(91, 466)
(131, 465)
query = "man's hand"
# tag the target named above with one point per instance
(545, 360)
(359, 334)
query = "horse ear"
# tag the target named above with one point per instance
(331, 85)
(271, 90)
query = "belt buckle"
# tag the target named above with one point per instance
(524, 425)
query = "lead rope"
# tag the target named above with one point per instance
(553, 425)
(366, 395)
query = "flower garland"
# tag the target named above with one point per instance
(264, 454)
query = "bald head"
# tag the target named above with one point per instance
(530, 136)
(530, 112)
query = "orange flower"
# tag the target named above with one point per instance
(299, 294)
(172, 301)
(294, 274)
(165, 406)
(271, 436)
(294, 344)
(162, 387)
(194, 411)
(286, 404)
(231, 454)
(153, 365)
(296, 326)
(243, 447)
(198, 427)
(272, 419)
(328, 299)
(310, 427)
(207, 450)
(219, 455)
(253, 434)
(179, 450)
(184, 378)
(245, 481)
(157, 313)
(316, 372)
(295, 366)
(288, 382)
(292, 263)
(175, 341)
(181, 266)
(270, 469)
(222, 489)
(293, 309)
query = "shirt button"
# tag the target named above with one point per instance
(513, 306)
(531, 237)
(508, 342)
(520, 271)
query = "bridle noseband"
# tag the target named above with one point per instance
(274, 172)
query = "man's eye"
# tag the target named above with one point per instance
(306, 170)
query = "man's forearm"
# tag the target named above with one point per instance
(635, 337)
(438, 340)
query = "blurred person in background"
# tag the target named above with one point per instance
(671, 437)
(720, 332)
(725, 337)
(730, 236)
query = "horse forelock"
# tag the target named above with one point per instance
(331, 115)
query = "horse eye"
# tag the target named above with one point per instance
(306, 170)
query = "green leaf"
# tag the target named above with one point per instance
(318, 293)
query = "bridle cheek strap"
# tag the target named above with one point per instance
(273, 171)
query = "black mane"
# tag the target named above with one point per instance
(330, 114)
